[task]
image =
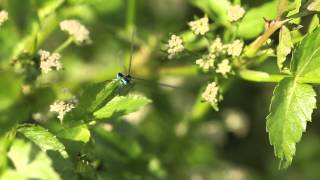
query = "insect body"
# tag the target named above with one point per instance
(124, 79)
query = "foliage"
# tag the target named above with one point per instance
(65, 113)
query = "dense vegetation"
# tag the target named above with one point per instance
(210, 89)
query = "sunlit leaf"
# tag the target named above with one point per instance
(121, 105)
(291, 107)
(284, 47)
(77, 133)
(29, 164)
(306, 57)
(43, 138)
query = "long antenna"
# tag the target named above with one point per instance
(131, 51)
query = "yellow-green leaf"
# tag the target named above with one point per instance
(121, 105)
(284, 47)
(43, 138)
(306, 57)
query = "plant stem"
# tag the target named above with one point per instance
(282, 5)
(130, 15)
(273, 27)
(64, 45)
(254, 47)
(258, 76)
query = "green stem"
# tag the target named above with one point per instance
(130, 15)
(64, 45)
(258, 76)
(274, 26)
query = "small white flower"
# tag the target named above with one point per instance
(3, 16)
(314, 6)
(234, 49)
(79, 32)
(206, 62)
(49, 62)
(224, 67)
(200, 26)
(216, 46)
(175, 46)
(61, 107)
(235, 13)
(211, 93)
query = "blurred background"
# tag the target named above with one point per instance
(177, 136)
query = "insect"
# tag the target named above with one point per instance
(126, 78)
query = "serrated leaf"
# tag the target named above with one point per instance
(29, 164)
(43, 138)
(121, 105)
(284, 47)
(253, 23)
(77, 133)
(291, 107)
(306, 57)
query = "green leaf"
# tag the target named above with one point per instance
(217, 9)
(121, 105)
(48, 8)
(77, 133)
(10, 89)
(43, 138)
(284, 47)
(96, 95)
(253, 23)
(291, 107)
(29, 164)
(306, 57)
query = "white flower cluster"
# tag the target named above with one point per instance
(211, 93)
(235, 13)
(75, 29)
(219, 50)
(224, 67)
(206, 62)
(49, 62)
(3, 16)
(61, 107)
(174, 46)
(235, 48)
(200, 26)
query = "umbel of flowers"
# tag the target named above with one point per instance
(219, 56)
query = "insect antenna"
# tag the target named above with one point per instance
(120, 61)
(152, 82)
(131, 52)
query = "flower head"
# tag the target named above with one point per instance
(200, 26)
(175, 46)
(216, 46)
(76, 30)
(49, 62)
(234, 49)
(224, 67)
(235, 13)
(61, 107)
(206, 62)
(3, 16)
(211, 93)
